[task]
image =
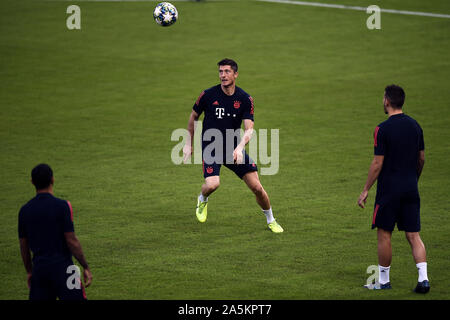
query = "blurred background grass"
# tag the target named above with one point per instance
(99, 105)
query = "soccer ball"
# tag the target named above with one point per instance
(165, 14)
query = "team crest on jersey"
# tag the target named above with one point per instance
(209, 170)
(216, 103)
(237, 104)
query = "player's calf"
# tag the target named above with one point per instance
(211, 184)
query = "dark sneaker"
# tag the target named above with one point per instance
(385, 286)
(422, 287)
(378, 286)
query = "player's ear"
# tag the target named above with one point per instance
(52, 182)
(386, 101)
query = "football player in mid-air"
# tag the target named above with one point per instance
(225, 106)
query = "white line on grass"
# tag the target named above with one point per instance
(300, 3)
(117, 0)
(340, 6)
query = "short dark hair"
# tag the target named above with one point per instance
(41, 176)
(396, 96)
(228, 62)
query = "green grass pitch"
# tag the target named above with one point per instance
(99, 105)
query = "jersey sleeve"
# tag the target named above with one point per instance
(199, 105)
(249, 109)
(379, 143)
(21, 225)
(68, 218)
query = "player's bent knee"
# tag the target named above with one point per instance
(212, 184)
(257, 189)
(214, 187)
(384, 235)
(412, 236)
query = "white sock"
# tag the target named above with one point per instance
(422, 268)
(269, 215)
(383, 274)
(202, 198)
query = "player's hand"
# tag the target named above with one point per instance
(187, 152)
(238, 155)
(87, 277)
(363, 198)
(29, 280)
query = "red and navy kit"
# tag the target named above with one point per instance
(43, 222)
(399, 139)
(224, 112)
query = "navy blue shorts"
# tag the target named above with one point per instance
(401, 209)
(213, 169)
(51, 281)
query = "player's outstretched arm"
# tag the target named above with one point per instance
(75, 248)
(187, 149)
(374, 172)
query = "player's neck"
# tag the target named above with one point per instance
(46, 190)
(228, 90)
(393, 112)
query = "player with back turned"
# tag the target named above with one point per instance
(397, 165)
(225, 107)
(46, 229)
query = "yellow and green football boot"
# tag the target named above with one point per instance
(275, 227)
(202, 210)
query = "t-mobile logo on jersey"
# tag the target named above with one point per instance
(220, 112)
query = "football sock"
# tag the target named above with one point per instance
(422, 268)
(202, 198)
(383, 274)
(269, 215)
